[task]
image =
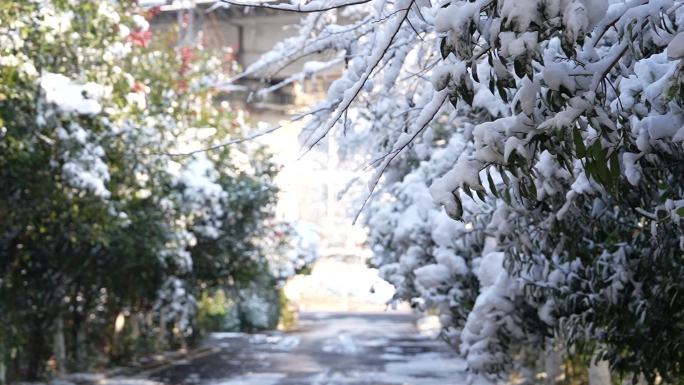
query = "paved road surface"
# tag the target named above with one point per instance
(327, 349)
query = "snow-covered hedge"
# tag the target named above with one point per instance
(569, 115)
(105, 211)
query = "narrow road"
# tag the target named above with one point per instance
(327, 349)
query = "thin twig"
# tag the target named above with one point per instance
(234, 141)
(359, 85)
(439, 101)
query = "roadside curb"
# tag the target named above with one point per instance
(156, 365)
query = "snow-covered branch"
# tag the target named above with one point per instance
(310, 7)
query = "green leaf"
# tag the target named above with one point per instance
(595, 151)
(468, 95)
(473, 71)
(600, 164)
(556, 101)
(519, 66)
(503, 61)
(506, 196)
(614, 165)
(533, 190)
(564, 91)
(492, 186)
(502, 91)
(505, 178)
(453, 98)
(455, 212)
(466, 189)
(580, 149)
(590, 168)
(445, 48)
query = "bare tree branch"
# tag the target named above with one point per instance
(352, 93)
(426, 115)
(235, 141)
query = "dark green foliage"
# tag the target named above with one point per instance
(73, 259)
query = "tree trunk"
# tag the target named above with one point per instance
(181, 337)
(161, 338)
(599, 373)
(552, 363)
(81, 345)
(3, 371)
(135, 325)
(38, 352)
(119, 324)
(59, 346)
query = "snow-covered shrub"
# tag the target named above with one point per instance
(257, 300)
(573, 154)
(259, 305)
(294, 249)
(452, 267)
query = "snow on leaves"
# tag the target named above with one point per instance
(573, 114)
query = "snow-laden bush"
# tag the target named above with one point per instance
(295, 249)
(255, 297)
(573, 157)
(452, 267)
(106, 211)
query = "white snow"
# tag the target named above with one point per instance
(69, 96)
(457, 16)
(432, 275)
(202, 194)
(252, 379)
(343, 343)
(592, 72)
(283, 343)
(632, 169)
(675, 50)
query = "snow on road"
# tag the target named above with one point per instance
(327, 349)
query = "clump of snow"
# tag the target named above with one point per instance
(88, 171)
(675, 50)
(303, 250)
(69, 96)
(632, 169)
(202, 194)
(432, 275)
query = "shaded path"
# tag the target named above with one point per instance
(327, 349)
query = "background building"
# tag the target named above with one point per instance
(310, 185)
